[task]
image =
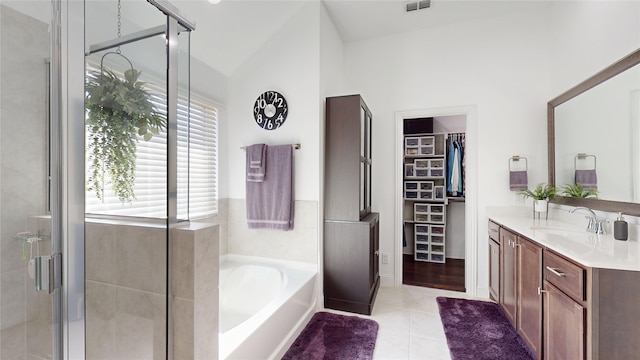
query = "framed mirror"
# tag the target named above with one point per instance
(593, 132)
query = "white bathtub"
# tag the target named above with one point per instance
(263, 304)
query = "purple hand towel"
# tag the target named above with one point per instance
(518, 180)
(270, 202)
(587, 178)
(256, 162)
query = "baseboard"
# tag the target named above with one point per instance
(387, 280)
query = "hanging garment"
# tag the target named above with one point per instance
(455, 172)
(450, 157)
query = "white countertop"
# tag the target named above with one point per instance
(574, 242)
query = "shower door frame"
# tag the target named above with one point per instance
(68, 64)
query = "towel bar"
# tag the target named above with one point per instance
(295, 146)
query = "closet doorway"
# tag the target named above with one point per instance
(433, 204)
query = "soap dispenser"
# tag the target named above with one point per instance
(620, 228)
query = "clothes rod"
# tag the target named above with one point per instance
(295, 146)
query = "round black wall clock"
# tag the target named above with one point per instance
(270, 110)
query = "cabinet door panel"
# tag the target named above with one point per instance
(508, 275)
(529, 317)
(494, 270)
(564, 326)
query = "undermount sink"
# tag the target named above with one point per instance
(558, 230)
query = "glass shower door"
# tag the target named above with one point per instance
(29, 316)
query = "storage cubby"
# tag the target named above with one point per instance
(425, 194)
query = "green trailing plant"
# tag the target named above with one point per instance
(578, 191)
(119, 111)
(541, 192)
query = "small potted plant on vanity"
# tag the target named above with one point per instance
(541, 196)
(578, 191)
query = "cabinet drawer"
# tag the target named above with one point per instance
(494, 230)
(565, 275)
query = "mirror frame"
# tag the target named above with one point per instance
(618, 67)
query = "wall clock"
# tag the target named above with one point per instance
(270, 110)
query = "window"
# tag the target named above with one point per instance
(197, 166)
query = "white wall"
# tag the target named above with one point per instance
(289, 62)
(507, 66)
(471, 63)
(589, 36)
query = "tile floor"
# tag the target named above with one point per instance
(410, 326)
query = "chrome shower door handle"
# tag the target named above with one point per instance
(48, 272)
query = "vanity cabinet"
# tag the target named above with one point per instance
(351, 230)
(521, 281)
(494, 260)
(565, 310)
(529, 280)
(508, 274)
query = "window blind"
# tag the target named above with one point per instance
(197, 191)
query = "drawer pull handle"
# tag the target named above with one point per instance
(555, 272)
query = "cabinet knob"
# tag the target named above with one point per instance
(540, 291)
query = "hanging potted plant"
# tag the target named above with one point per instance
(119, 112)
(541, 196)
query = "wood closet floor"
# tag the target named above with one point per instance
(447, 276)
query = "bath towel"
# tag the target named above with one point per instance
(518, 180)
(587, 178)
(256, 162)
(270, 202)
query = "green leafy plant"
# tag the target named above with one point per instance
(119, 111)
(541, 192)
(578, 191)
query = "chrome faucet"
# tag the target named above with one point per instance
(595, 224)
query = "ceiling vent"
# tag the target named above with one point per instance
(417, 5)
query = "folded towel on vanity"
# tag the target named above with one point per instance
(270, 202)
(518, 180)
(587, 178)
(256, 162)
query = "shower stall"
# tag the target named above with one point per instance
(94, 180)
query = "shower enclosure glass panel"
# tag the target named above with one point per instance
(28, 322)
(136, 89)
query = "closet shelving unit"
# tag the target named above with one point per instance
(425, 194)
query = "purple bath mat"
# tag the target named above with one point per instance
(332, 336)
(478, 330)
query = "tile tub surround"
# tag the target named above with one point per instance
(588, 249)
(126, 297)
(299, 244)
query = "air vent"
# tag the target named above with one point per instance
(417, 5)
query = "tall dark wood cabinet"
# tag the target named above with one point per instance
(351, 230)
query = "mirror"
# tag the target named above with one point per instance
(595, 127)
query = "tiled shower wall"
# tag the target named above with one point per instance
(126, 296)
(24, 314)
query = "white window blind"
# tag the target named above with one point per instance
(197, 166)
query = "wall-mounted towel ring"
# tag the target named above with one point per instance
(583, 156)
(517, 158)
(518, 179)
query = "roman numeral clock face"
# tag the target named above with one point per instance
(270, 110)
